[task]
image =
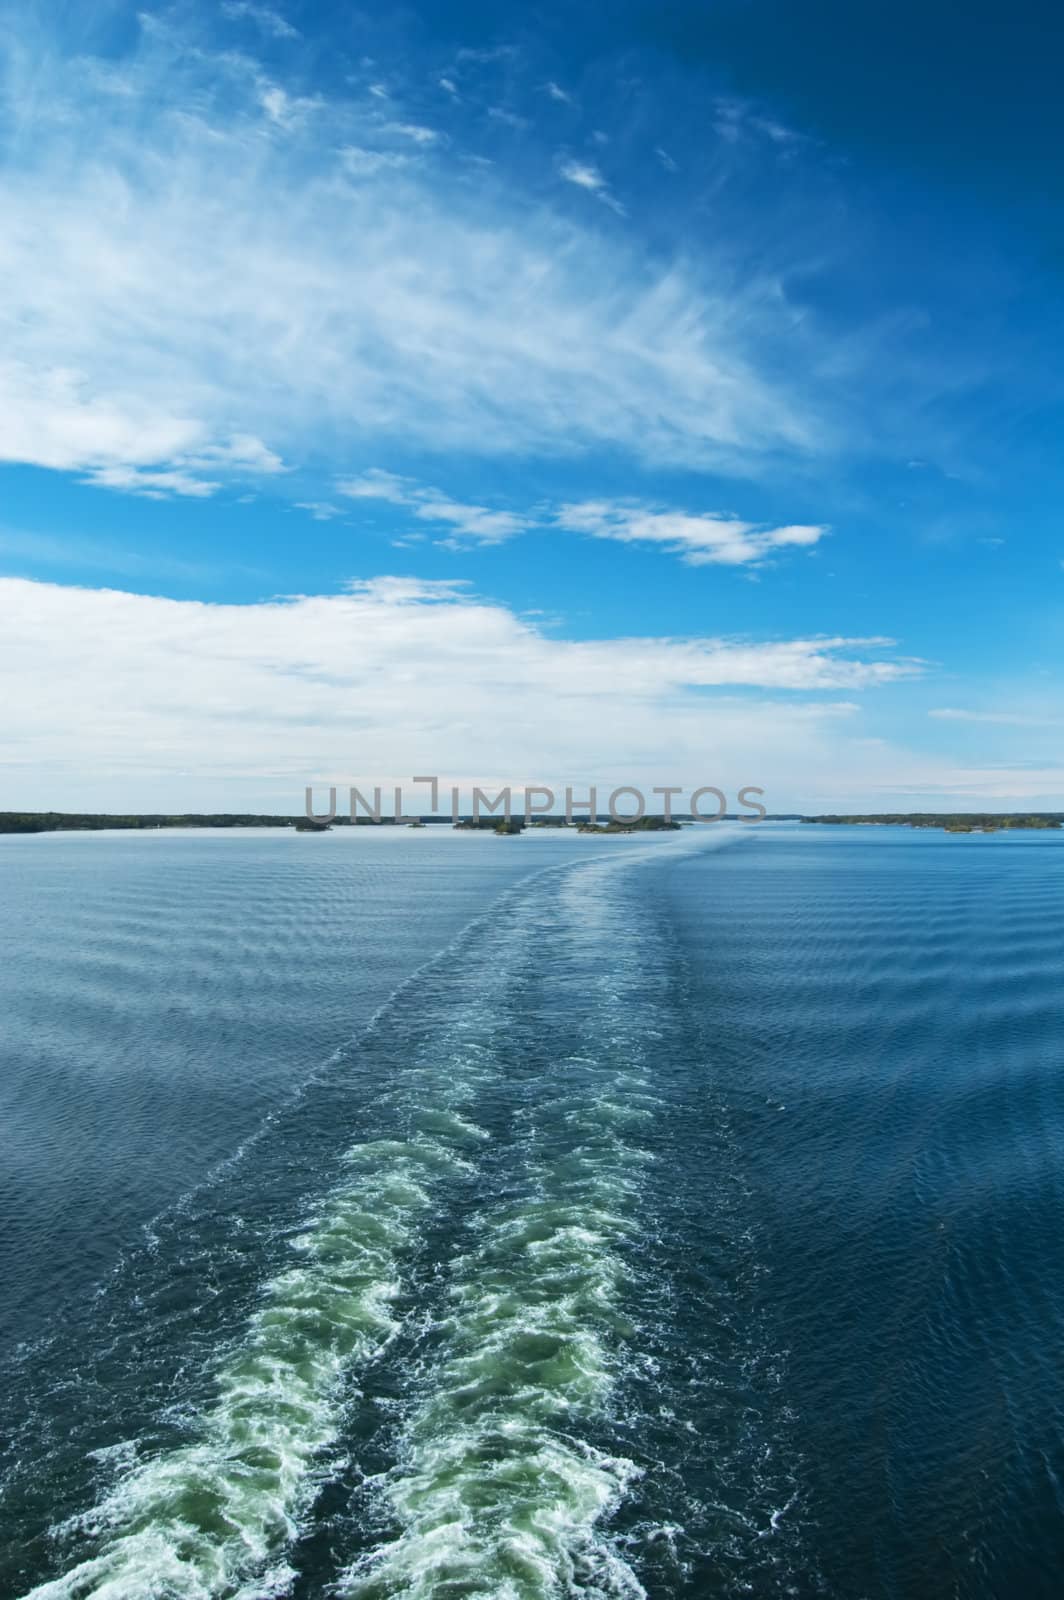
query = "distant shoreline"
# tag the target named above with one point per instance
(32, 822)
(951, 821)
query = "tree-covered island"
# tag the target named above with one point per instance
(636, 825)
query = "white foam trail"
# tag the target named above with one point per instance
(499, 1492)
(213, 1517)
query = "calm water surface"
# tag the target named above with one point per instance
(414, 1214)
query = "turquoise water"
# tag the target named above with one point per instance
(400, 1214)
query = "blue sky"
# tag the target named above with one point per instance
(646, 392)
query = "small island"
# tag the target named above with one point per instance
(503, 826)
(637, 825)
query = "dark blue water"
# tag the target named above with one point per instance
(395, 1214)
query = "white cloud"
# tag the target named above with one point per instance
(700, 540)
(359, 162)
(583, 174)
(586, 176)
(478, 523)
(397, 676)
(53, 416)
(242, 450)
(320, 510)
(666, 160)
(556, 92)
(153, 485)
(378, 485)
(264, 17)
(244, 455)
(412, 131)
(200, 256)
(285, 110)
(740, 119)
(509, 118)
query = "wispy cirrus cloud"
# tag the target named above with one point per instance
(585, 175)
(286, 111)
(416, 132)
(698, 538)
(300, 274)
(480, 524)
(242, 257)
(265, 17)
(153, 485)
(358, 162)
(702, 539)
(190, 473)
(320, 510)
(736, 120)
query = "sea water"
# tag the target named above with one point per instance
(402, 1213)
